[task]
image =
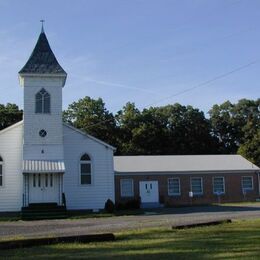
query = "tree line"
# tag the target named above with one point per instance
(172, 129)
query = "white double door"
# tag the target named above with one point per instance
(44, 188)
(149, 191)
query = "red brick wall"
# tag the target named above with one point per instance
(233, 188)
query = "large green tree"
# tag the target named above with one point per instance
(91, 116)
(251, 148)
(128, 119)
(237, 127)
(189, 131)
(172, 129)
(9, 115)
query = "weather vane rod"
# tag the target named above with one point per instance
(42, 21)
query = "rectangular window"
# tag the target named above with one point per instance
(218, 185)
(85, 169)
(127, 187)
(247, 183)
(1, 175)
(196, 185)
(174, 186)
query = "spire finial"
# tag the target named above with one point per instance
(42, 21)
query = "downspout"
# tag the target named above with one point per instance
(258, 183)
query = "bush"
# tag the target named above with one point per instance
(120, 206)
(109, 206)
(129, 204)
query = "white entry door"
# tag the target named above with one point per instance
(149, 191)
(43, 188)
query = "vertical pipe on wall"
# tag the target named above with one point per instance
(24, 190)
(59, 178)
(258, 183)
(28, 187)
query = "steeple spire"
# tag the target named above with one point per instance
(42, 21)
(42, 59)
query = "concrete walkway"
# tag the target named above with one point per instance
(152, 218)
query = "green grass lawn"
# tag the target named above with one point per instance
(10, 217)
(238, 240)
(241, 204)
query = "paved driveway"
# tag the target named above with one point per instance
(152, 218)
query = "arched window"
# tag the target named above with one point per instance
(43, 102)
(85, 169)
(1, 171)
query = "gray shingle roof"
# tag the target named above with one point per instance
(42, 59)
(182, 163)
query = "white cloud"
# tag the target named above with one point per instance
(112, 84)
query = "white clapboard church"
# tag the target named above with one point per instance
(41, 158)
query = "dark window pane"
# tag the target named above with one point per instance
(85, 168)
(85, 157)
(1, 169)
(86, 179)
(38, 103)
(218, 185)
(127, 189)
(1, 159)
(196, 185)
(47, 103)
(247, 183)
(174, 186)
(43, 102)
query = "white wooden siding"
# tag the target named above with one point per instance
(91, 196)
(11, 194)
(34, 122)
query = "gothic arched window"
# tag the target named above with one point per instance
(1, 171)
(43, 102)
(85, 169)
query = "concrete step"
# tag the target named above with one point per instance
(30, 209)
(43, 205)
(36, 211)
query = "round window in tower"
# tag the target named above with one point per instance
(42, 133)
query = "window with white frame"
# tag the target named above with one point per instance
(196, 185)
(85, 169)
(247, 183)
(174, 186)
(218, 185)
(1, 171)
(43, 102)
(127, 187)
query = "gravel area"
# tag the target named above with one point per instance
(151, 218)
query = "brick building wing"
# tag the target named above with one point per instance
(185, 179)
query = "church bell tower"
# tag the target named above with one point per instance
(42, 79)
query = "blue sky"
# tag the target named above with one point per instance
(141, 51)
